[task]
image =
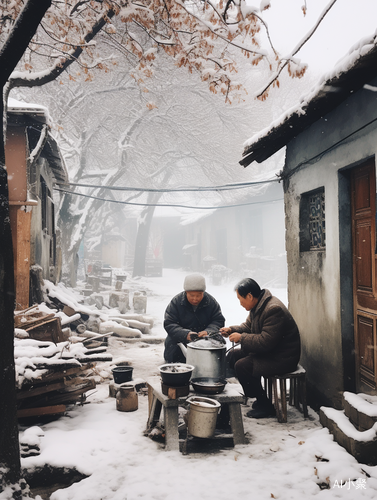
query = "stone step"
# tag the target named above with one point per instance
(360, 444)
(361, 409)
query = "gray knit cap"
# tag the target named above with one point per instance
(194, 283)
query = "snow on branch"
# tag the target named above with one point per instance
(18, 79)
(39, 146)
(289, 60)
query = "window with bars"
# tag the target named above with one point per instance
(312, 221)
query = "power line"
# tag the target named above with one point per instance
(164, 204)
(224, 187)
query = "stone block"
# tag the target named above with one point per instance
(361, 409)
(351, 413)
(120, 300)
(98, 300)
(360, 444)
(140, 302)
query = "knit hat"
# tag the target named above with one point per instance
(194, 283)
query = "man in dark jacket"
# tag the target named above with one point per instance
(190, 314)
(269, 343)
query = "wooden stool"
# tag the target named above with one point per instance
(297, 392)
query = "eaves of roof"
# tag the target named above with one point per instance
(50, 151)
(52, 154)
(329, 95)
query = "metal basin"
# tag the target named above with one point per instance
(206, 385)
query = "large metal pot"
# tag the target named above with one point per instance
(208, 359)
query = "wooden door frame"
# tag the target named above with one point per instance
(346, 273)
(365, 289)
(346, 279)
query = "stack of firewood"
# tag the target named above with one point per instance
(57, 346)
(51, 371)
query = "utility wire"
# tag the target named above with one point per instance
(164, 204)
(224, 187)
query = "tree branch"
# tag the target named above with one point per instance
(297, 48)
(20, 36)
(43, 77)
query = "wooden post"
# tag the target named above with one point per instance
(21, 223)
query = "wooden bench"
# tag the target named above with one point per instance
(158, 400)
(297, 392)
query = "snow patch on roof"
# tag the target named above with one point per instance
(194, 217)
(26, 107)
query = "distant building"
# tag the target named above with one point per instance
(245, 240)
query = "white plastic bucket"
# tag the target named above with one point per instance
(202, 416)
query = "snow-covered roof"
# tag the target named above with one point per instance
(15, 106)
(39, 116)
(356, 69)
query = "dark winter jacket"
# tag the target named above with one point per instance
(270, 335)
(180, 319)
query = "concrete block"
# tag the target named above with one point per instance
(360, 444)
(140, 302)
(120, 300)
(351, 413)
(361, 412)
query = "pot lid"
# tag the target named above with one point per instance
(206, 343)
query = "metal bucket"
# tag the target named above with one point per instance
(202, 416)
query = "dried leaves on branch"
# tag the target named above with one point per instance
(199, 35)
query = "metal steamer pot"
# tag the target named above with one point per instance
(208, 360)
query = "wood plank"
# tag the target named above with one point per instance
(96, 357)
(48, 330)
(236, 423)
(96, 350)
(71, 394)
(66, 395)
(43, 410)
(24, 311)
(32, 319)
(24, 394)
(57, 375)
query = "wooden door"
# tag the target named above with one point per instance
(363, 194)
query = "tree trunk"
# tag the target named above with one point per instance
(11, 52)
(67, 223)
(141, 244)
(9, 447)
(142, 236)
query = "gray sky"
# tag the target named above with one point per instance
(347, 22)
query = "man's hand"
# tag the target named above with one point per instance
(203, 334)
(225, 331)
(235, 337)
(194, 335)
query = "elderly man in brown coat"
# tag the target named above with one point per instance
(269, 343)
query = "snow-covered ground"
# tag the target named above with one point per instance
(283, 461)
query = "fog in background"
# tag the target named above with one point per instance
(176, 134)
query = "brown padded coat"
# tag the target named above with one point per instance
(270, 335)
